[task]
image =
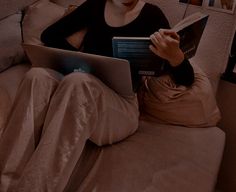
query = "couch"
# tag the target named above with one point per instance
(177, 149)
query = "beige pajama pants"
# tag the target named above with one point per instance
(51, 120)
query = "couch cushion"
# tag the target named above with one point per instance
(10, 41)
(157, 158)
(38, 17)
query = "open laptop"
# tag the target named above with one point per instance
(114, 72)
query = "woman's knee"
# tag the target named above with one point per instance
(115, 125)
(104, 137)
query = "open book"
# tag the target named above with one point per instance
(144, 62)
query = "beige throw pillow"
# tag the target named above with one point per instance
(38, 17)
(193, 106)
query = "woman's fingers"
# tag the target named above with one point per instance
(164, 40)
(169, 32)
(158, 41)
(154, 50)
(165, 44)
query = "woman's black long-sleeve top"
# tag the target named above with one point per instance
(98, 39)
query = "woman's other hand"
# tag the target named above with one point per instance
(166, 45)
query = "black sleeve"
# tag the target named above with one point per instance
(56, 34)
(183, 74)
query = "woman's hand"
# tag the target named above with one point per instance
(166, 45)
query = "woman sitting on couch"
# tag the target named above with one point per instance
(53, 116)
